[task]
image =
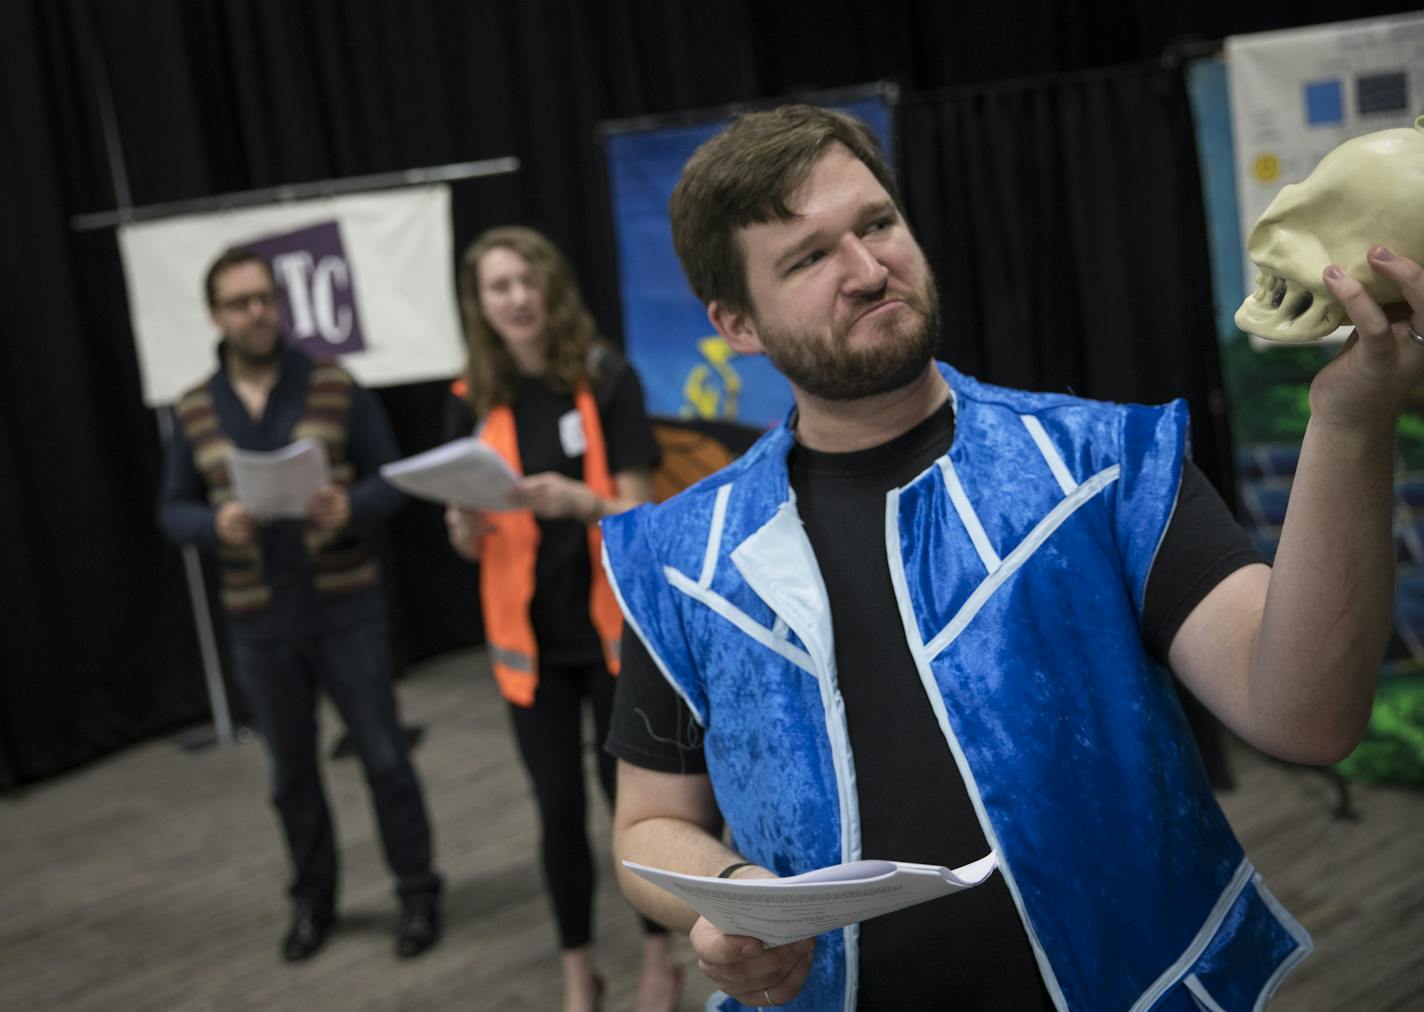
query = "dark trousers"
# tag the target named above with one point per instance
(550, 739)
(281, 678)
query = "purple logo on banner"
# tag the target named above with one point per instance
(319, 307)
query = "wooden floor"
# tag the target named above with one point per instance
(152, 881)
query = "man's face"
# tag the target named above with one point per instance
(842, 299)
(246, 312)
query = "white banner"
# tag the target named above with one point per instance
(1298, 94)
(365, 278)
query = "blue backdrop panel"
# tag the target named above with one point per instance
(687, 371)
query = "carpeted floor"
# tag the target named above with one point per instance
(153, 881)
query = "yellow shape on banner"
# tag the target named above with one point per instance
(704, 396)
(1266, 168)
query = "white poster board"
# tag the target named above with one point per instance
(366, 278)
(1297, 94)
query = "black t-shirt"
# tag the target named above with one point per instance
(970, 947)
(563, 568)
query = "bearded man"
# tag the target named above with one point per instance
(926, 618)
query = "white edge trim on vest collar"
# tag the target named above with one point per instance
(779, 565)
(697, 714)
(777, 562)
(1015, 559)
(719, 604)
(922, 657)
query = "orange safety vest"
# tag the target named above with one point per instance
(507, 557)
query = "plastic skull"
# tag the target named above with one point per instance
(1368, 190)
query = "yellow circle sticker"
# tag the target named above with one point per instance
(1266, 168)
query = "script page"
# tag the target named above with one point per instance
(782, 910)
(279, 484)
(465, 472)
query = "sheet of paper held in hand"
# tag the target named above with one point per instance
(279, 483)
(782, 910)
(465, 472)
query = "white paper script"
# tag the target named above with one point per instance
(782, 910)
(465, 472)
(279, 483)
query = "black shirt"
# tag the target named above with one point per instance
(970, 947)
(563, 569)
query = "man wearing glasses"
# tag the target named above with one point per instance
(303, 599)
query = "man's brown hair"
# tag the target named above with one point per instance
(744, 175)
(235, 257)
(491, 378)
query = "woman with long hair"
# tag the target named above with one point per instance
(567, 414)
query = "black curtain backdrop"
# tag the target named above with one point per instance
(1063, 219)
(1062, 216)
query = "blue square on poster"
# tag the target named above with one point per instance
(1324, 102)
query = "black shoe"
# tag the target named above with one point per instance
(310, 926)
(419, 928)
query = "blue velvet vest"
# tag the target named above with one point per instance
(1019, 561)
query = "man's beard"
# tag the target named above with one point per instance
(833, 371)
(240, 350)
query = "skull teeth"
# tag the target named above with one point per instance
(1285, 310)
(1270, 288)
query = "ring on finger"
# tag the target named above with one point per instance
(1409, 325)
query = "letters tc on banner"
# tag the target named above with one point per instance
(319, 305)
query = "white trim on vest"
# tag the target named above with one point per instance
(967, 516)
(647, 645)
(1173, 974)
(1050, 453)
(778, 564)
(1304, 946)
(922, 657)
(714, 535)
(1055, 518)
(719, 604)
(1198, 991)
